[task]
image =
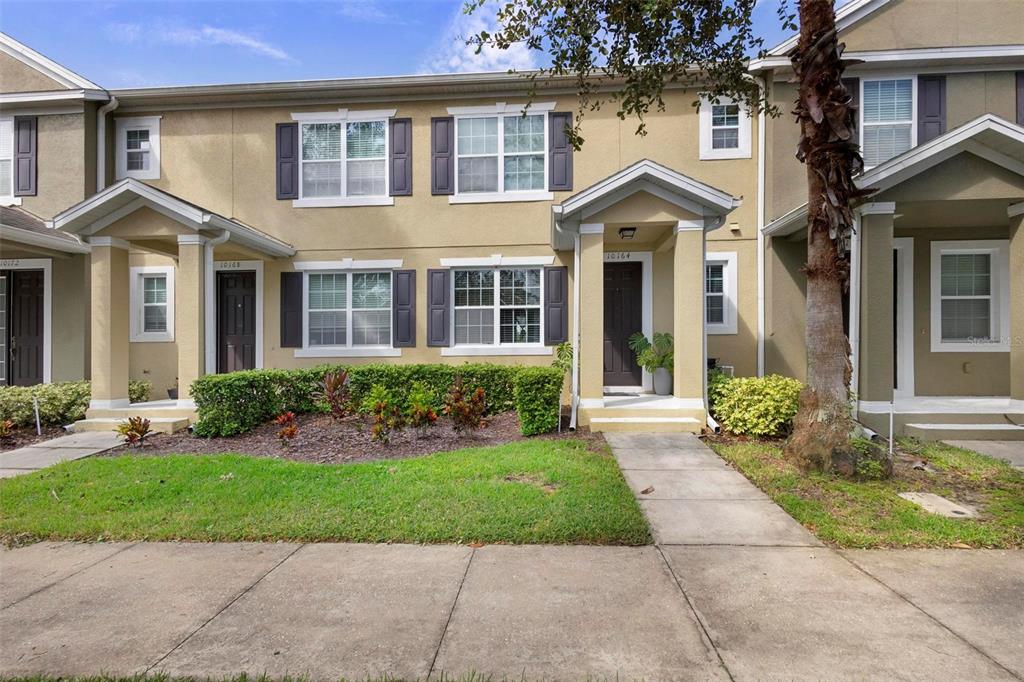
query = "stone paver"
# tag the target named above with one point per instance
(1011, 451)
(573, 613)
(40, 455)
(333, 611)
(127, 611)
(806, 613)
(979, 594)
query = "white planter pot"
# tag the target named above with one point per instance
(662, 381)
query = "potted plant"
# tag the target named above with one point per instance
(656, 357)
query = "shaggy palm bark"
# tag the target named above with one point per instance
(830, 151)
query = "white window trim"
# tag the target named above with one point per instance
(497, 348)
(999, 249)
(345, 116)
(136, 299)
(497, 260)
(347, 264)
(46, 265)
(502, 111)
(707, 150)
(729, 282)
(10, 199)
(122, 125)
(913, 107)
(347, 351)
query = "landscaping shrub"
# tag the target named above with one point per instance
(387, 415)
(233, 403)
(420, 411)
(465, 406)
(757, 406)
(717, 381)
(538, 392)
(59, 404)
(135, 431)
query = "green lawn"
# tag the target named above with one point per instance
(870, 514)
(538, 491)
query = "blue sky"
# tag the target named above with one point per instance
(144, 43)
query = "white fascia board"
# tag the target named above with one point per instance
(44, 65)
(53, 96)
(345, 115)
(502, 108)
(248, 236)
(915, 55)
(497, 260)
(54, 242)
(788, 223)
(347, 264)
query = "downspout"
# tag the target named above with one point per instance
(209, 301)
(855, 277)
(575, 398)
(761, 167)
(101, 141)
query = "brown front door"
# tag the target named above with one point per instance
(24, 303)
(623, 298)
(236, 321)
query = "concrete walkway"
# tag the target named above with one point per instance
(40, 455)
(722, 596)
(1011, 451)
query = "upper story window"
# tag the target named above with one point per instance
(343, 158)
(501, 153)
(6, 159)
(497, 306)
(724, 130)
(138, 148)
(887, 125)
(152, 303)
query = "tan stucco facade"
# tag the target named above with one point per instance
(18, 77)
(909, 24)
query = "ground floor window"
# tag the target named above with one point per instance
(970, 295)
(720, 293)
(348, 309)
(152, 304)
(497, 306)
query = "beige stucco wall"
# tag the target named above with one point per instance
(63, 177)
(155, 361)
(907, 24)
(18, 77)
(785, 309)
(970, 95)
(70, 318)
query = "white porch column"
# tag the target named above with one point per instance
(111, 311)
(876, 359)
(189, 312)
(1016, 213)
(592, 312)
(690, 367)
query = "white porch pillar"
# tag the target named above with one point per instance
(189, 311)
(1016, 213)
(690, 369)
(110, 330)
(591, 360)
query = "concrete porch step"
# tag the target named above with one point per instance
(140, 411)
(646, 424)
(157, 424)
(979, 431)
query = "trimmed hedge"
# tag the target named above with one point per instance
(755, 406)
(229, 404)
(59, 404)
(538, 392)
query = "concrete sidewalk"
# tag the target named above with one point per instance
(731, 591)
(40, 455)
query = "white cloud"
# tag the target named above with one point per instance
(368, 11)
(175, 34)
(453, 54)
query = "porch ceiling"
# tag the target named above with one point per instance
(673, 191)
(128, 196)
(988, 137)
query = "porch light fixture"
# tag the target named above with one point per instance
(627, 233)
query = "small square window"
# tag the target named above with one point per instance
(138, 148)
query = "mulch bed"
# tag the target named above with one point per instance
(322, 439)
(25, 435)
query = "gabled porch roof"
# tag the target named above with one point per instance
(648, 176)
(126, 196)
(989, 137)
(21, 227)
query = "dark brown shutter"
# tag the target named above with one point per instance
(439, 284)
(403, 308)
(560, 159)
(287, 160)
(1020, 98)
(442, 155)
(25, 165)
(401, 157)
(852, 86)
(931, 107)
(291, 310)
(556, 305)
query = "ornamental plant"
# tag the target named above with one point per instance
(289, 428)
(758, 406)
(420, 412)
(6, 429)
(387, 415)
(656, 354)
(336, 393)
(134, 431)
(465, 408)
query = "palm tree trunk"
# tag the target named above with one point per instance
(829, 149)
